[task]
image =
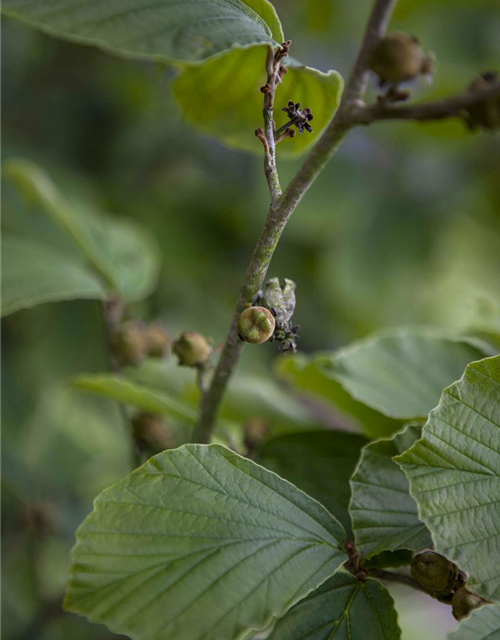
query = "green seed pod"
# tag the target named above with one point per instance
(157, 339)
(435, 573)
(256, 325)
(487, 113)
(396, 58)
(129, 342)
(192, 349)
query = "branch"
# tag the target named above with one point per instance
(396, 578)
(281, 211)
(453, 107)
(275, 73)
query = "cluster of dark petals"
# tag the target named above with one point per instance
(299, 117)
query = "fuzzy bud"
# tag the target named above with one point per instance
(256, 430)
(398, 58)
(130, 343)
(151, 434)
(256, 325)
(438, 575)
(157, 339)
(192, 349)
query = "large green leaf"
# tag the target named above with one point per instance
(454, 473)
(164, 30)
(122, 253)
(200, 543)
(34, 273)
(135, 394)
(342, 609)
(403, 373)
(312, 375)
(384, 515)
(222, 98)
(318, 462)
(482, 624)
(224, 44)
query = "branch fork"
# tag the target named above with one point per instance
(351, 112)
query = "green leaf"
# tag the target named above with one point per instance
(342, 609)
(384, 515)
(200, 543)
(164, 31)
(120, 252)
(482, 624)
(454, 473)
(403, 373)
(399, 558)
(119, 388)
(312, 375)
(34, 273)
(222, 98)
(318, 462)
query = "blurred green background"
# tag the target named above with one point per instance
(402, 227)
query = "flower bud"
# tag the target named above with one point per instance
(129, 342)
(256, 430)
(256, 325)
(397, 58)
(464, 601)
(435, 573)
(192, 349)
(157, 339)
(151, 434)
(486, 114)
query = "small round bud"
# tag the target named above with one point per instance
(130, 343)
(256, 325)
(396, 58)
(192, 349)
(486, 114)
(464, 601)
(438, 575)
(151, 434)
(256, 430)
(157, 339)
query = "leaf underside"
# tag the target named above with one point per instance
(384, 515)
(482, 624)
(34, 273)
(200, 543)
(402, 373)
(454, 473)
(342, 609)
(220, 45)
(318, 462)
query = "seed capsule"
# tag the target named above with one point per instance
(256, 325)
(129, 343)
(157, 339)
(438, 575)
(192, 349)
(397, 58)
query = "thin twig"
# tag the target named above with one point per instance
(396, 578)
(280, 213)
(275, 72)
(452, 107)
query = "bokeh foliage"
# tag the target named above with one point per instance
(402, 227)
